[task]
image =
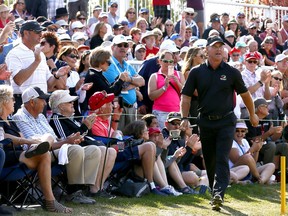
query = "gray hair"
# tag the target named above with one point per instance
(6, 92)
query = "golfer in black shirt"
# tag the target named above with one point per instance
(216, 82)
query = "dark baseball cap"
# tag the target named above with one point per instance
(213, 40)
(173, 116)
(31, 25)
(261, 101)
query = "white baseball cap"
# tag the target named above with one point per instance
(59, 97)
(168, 45)
(32, 93)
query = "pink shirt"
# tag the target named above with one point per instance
(101, 127)
(169, 101)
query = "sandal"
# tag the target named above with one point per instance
(188, 190)
(202, 189)
(37, 149)
(55, 206)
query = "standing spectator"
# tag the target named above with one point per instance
(189, 21)
(217, 120)
(164, 88)
(4, 14)
(241, 20)
(119, 65)
(96, 12)
(36, 8)
(19, 10)
(271, 30)
(267, 51)
(98, 35)
(28, 64)
(216, 25)
(52, 5)
(149, 39)
(169, 29)
(162, 9)
(112, 16)
(234, 26)
(77, 5)
(199, 9)
(61, 14)
(284, 28)
(224, 20)
(131, 17)
(142, 24)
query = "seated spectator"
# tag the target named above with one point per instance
(36, 157)
(230, 39)
(4, 15)
(159, 38)
(242, 154)
(64, 125)
(81, 163)
(189, 148)
(234, 55)
(164, 88)
(143, 153)
(84, 63)
(139, 131)
(80, 38)
(178, 40)
(161, 148)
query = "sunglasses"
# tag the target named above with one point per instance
(254, 62)
(269, 42)
(235, 55)
(175, 123)
(253, 28)
(81, 18)
(169, 25)
(42, 43)
(52, 29)
(108, 62)
(131, 12)
(240, 131)
(241, 17)
(73, 56)
(20, 3)
(278, 79)
(190, 14)
(114, 6)
(126, 45)
(167, 61)
(145, 13)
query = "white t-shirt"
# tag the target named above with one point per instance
(241, 148)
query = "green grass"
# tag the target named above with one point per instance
(240, 200)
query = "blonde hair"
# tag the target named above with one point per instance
(188, 60)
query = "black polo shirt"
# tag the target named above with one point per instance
(215, 87)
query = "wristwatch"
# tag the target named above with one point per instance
(261, 83)
(164, 88)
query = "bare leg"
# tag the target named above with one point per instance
(175, 174)
(147, 152)
(110, 160)
(266, 171)
(158, 178)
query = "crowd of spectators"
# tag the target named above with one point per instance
(111, 76)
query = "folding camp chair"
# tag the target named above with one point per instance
(24, 179)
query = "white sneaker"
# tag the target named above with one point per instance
(170, 191)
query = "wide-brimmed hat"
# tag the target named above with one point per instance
(190, 11)
(3, 8)
(147, 34)
(60, 96)
(61, 12)
(32, 93)
(98, 99)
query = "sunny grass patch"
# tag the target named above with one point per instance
(254, 200)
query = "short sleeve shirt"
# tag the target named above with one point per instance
(216, 88)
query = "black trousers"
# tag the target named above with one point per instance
(216, 145)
